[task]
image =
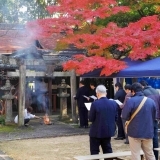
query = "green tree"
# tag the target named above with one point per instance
(138, 11)
(21, 11)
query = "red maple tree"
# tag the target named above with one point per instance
(76, 20)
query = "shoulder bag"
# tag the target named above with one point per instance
(133, 115)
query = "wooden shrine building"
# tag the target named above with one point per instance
(34, 67)
(26, 61)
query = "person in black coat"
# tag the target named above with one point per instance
(83, 112)
(120, 95)
(103, 114)
(92, 91)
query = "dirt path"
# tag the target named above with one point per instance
(59, 148)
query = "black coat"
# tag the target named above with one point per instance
(92, 93)
(79, 96)
(120, 95)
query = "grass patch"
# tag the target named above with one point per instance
(7, 128)
(14, 128)
(11, 127)
(2, 120)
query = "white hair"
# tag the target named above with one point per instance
(101, 89)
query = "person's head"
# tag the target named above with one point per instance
(29, 109)
(136, 87)
(81, 83)
(143, 83)
(127, 88)
(118, 85)
(101, 91)
(92, 85)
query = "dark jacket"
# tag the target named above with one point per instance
(142, 124)
(103, 114)
(79, 96)
(153, 94)
(120, 95)
(92, 93)
(128, 96)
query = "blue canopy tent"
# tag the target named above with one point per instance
(149, 68)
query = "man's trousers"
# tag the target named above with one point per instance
(137, 144)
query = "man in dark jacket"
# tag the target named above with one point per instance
(141, 128)
(92, 91)
(103, 114)
(153, 94)
(83, 112)
(120, 95)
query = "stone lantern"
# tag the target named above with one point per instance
(8, 100)
(63, 98)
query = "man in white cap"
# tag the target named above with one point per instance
(103, 114)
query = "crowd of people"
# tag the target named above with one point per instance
(136, 119)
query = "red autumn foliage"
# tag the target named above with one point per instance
(83, 64)
(76, 19)
(68, 14)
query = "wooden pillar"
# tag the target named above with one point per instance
(22, 88)
(49, 74)
(54, 96)
(110, 93)
(50, 94)
(73, 92)
(27, 95)
(122, 81)
(114, 82)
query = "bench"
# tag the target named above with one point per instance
(106, 156)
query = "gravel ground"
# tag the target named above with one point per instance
(58, 148)
(59, 141)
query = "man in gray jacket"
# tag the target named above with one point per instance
(141, 128)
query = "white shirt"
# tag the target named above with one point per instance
(26, 116)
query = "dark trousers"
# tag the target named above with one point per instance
(26, 120)
(123, 121)
(120, 125)
(155, 139)
(105, 143)
(83, 116)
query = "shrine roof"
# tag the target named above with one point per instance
(17, 43)
(14, 37)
